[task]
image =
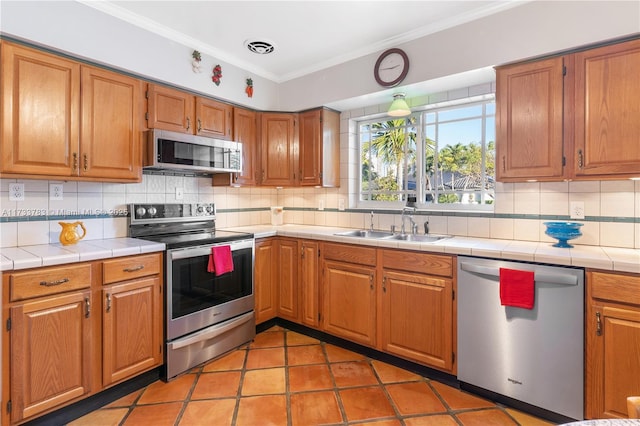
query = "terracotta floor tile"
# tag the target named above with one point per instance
(265, 358)
(357, 373)
(394, 422)
(105, 417)
(491, 417)
(232, 361)
(217, 385)
(297, 339)
(437, 420)
(526, 419)
(309, 378)
(415, 398)
(126, 400)
(337, 354)
(217, 412)
(366, 403)
(390, 374)
(264, 381)
(457, 399)
(271, 339)
(301, 355)
(268, 410)
(315, 408)
(156, 415)
(176, 390)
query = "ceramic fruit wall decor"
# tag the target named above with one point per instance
(249, 89)
(217, 74)
(195, 63)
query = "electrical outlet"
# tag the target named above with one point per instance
(576, 209)
(56, 191)
(16, 192)
(179, 193)
(321, 204)
(341, 204)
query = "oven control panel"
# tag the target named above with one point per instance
(165, 212)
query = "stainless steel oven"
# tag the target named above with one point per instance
(206, 314)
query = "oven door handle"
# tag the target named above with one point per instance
(206, 250)
(211, 332)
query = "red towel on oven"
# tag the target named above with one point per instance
(220, 260)
(517, 288)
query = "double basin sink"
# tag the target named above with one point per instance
(382, 235)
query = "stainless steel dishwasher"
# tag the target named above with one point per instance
(534, 356)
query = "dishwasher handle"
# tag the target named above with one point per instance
(559, 279)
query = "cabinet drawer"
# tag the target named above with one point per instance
(423, 263)
(350, 254)
(128, 268)
(47, 281)
(615, 287)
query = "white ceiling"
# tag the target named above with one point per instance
(308, 35)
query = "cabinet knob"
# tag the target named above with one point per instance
(108, 302)
(75, 161)
(85, 165)
(188, 123)
(580, 159)
(199, 125)
(87, 307)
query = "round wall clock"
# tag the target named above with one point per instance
(391, 67)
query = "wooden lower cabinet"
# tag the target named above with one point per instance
(287, 282)
(612, 343)
(59, 344)
(265, 278)
(309, 296)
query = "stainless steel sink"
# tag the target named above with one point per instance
(363, 233)
(417, 238)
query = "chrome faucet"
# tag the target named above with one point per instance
(414, 226)
(371, 222)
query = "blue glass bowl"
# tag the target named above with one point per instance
(563, 232)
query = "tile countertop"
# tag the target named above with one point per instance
(607, 258)
(24, 257)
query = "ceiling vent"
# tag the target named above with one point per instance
(261, 47)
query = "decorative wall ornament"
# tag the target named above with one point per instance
(249, 89)
(217, 74)
(196, 66)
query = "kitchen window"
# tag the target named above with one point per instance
(443, 155)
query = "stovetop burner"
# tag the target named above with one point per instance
(179, 225)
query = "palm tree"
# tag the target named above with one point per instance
(392, 141)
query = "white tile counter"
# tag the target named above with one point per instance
(607, 258)
(56, 254)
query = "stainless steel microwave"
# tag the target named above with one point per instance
(174, 151)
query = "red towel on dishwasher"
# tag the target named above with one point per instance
(220, 260)
(517, 288)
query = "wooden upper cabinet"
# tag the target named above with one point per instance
(169, 109)
(607, 113)
(110, 144)
(319, 137)
(40, 112)
(61, 119)
(213, 119)
(279, 153)
(529, 120)
(178, 111)
(245, 132)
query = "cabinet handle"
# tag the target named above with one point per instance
(371, 281)
(188, 123)
(384, 284)
(580, 159)
(56, 282)
(199, 125)
(504, 164)
(108, 302)
(75, 161)
(262, 175)
(134, 269)
(87, 307)
(85, 166)
(598, 324)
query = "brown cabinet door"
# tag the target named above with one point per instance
(279, 155)
(50, 353)
(350, 302)
(110, 137)
(607, 124)
(529, 121)
(170, 109)
(131, 329)
(213, 119)
(266, 270)
(309, 296)
(310, 148)
(417, 317)
(288, 279)
(40, 113)
(245, 132)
